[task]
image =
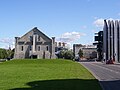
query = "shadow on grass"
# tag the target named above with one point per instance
(63, 84)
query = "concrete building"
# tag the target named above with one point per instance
(89, 51)
(76, 48)
(34, 44)
(99, 44)
(111, 40)
(60, 46)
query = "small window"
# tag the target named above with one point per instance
(47, 48)
(31, 38)
(38, 38)
(38, 48)
(30, 47)
(21, 48)
(35, 32)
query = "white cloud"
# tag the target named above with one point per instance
(99, 22)
(94, 31)
(70, 36)
(112, 19)
(6, 42)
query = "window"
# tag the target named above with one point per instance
(38, 38)
(30, 47)
(35, 32)
(31, 38)
(21, 48)
(47, 48)
(38, 48)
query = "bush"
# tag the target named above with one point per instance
(6, 54)
(66, 54)
(3, 53)
(69, 55)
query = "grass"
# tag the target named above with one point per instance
(45, 75)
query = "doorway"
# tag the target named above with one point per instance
(34, 56)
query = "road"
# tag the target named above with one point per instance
(107, 74)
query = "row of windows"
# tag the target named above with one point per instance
(30, 48)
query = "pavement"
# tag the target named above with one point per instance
(107, 74)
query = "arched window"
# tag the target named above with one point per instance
(22, 48)
(38, 48)
(47, 48)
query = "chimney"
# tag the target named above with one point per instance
(53, 40)
(16, 39)
(59, 44)
(63, 44)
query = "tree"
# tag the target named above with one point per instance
(10, 53)
(61, 54)
(80, 53)
(3, 53)
(69, 55)
(6, 53)
(66, 54)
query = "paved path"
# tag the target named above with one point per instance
(108, 75)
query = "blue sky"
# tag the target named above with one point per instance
(71, 21)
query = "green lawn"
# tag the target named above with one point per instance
(45, 75)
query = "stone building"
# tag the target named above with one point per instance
(34, 44)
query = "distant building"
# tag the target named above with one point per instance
(59, 47)
(34, 44)
(99, 43)
(89, 51)
(76, 48)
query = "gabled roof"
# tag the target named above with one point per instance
(35, 29)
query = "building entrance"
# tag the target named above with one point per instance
(34, 56)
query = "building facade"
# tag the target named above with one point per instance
(99, 43)
(76, 48)
(34, 44)
(89, 51)
(111, 40)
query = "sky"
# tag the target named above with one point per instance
(70, 21)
